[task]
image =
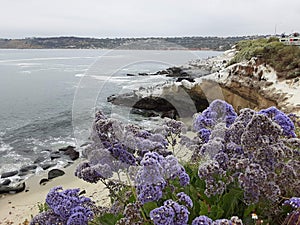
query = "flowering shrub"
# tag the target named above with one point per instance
(244, 167)
(66, 207)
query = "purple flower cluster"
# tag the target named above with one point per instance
(260, 131)
(204, 220)
(128, 143)
(66, 207)
(154, 173)
(117, 147)
(132, 215)
(218, 112)
(281, 119)
(171, 213)
(204, 134)
(294, 202)
(183, 198)
(47, 218)
(173, 127)
(255, 150)
(251, 180)
(210, 171)
(87, 173)
(120, 153)
(101, 165)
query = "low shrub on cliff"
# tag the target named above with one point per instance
(243, 169)
(284, 59)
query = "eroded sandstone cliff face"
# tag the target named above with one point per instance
(258, 85)
(250, 84)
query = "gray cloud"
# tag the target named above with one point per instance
(136, 18)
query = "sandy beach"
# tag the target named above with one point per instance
(16, 208)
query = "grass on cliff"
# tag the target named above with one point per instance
(284, 59)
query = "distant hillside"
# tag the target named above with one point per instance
(212, 43)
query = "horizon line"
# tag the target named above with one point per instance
(128, 37)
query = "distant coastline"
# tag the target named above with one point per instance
(151, 43)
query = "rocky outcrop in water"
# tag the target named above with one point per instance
(12, 181)
(70, 151)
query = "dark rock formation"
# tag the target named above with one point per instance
(39, 159)
(9, 174)
(47, 165)
(172, 102)
(172, 114)
(43, 181)
(161, 72)
(70, 151)
(144, 112)
(25, 169)
(153, 103)
(82, 192)
(12, 189)
(176, 72)
(55, 155)
(143, 74)
(5, 182)
(190, 79)
(55, 173)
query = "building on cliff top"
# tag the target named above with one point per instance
(293, 39)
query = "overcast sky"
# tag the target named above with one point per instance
(144, 18)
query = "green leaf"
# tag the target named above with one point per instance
(249, 210)
(108, 219)
(149, 206)
(231, 203)
(204, 208)
(216, 212)
(131, 199)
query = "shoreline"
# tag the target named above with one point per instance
(18, 207)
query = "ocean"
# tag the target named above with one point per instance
(48, 97)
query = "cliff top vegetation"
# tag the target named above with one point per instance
(285, 59)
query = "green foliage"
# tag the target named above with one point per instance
(231, 202)
(219, 206)
(43, 207)
(148, 207)
(297, 128)
(107, 219)
(283, 58)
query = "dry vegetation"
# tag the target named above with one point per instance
(284, 59)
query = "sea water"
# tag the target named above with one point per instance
(48, 97)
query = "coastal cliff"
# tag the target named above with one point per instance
(252, 83)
